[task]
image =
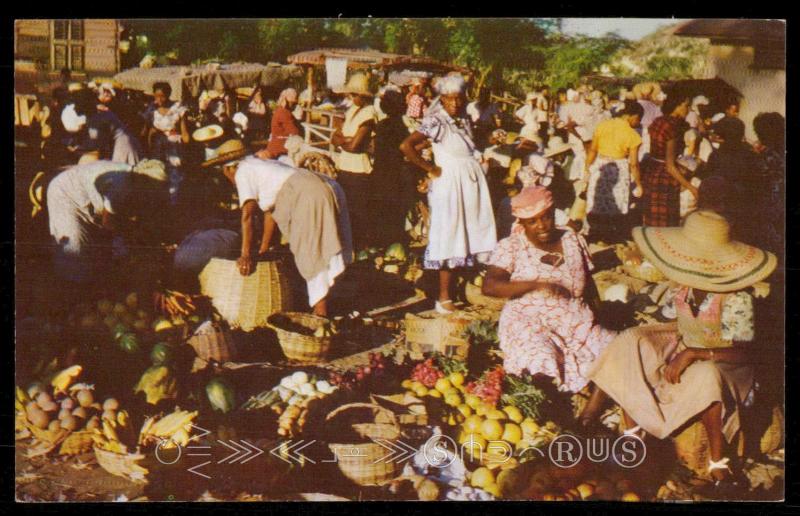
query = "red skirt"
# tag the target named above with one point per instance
(661, 202)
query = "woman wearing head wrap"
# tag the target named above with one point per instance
(462, 227)
(545, 271)
(700, 366)
(283, 125)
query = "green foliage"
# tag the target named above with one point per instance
(507, 54)
(570, 59)
(520, 392)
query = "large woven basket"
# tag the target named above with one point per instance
(475, 297)
(368, 464)
(211, 341)
(429, 332)
(122, 465)
(306, 349)
(246, 301)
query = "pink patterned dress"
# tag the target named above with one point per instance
(541, 332)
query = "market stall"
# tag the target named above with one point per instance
(321, 123)
(190, 81)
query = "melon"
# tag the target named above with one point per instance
(129, 343)
(161, 353)
(362, 255)
(395, 252)
(220, 395)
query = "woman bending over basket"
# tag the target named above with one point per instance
(304, 205)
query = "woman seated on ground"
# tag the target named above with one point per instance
(302, 204)
(546, 326)
(665, 375)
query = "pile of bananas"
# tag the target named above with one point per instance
(115, 432)
(174, 428)
(174, 303)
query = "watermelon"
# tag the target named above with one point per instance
(129, 343)
(120, 330)
(161, 353)
(395, 252)
(220, 394)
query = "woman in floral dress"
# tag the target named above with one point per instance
(546, 327)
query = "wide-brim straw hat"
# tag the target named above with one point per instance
(208, 133)
(358, 84)
(231, 150)
(556, 146)
(700, 254)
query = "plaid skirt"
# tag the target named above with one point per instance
(661, 203)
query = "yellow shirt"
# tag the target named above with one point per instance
(358, 163)
(615, 138)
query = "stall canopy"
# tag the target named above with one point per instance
(190, 81)
(366, 59)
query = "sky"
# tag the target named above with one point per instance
(629, 28)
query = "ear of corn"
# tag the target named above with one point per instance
(63, 379)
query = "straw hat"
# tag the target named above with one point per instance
(357, 85)
(231, 150)
(556, 146)
(75, 86)
(207, 133)
(700, 254)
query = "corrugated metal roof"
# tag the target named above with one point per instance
(773, 31)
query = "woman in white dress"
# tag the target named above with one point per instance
(462, 226)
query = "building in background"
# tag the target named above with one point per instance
(90, 46)
(750, 55)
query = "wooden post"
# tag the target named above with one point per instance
(310, 81)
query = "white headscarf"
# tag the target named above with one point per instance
(72, 122)
(573, 95)
(451, 85)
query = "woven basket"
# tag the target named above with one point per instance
(475, 297)
(407, 409)
(429, 332)
(211, 341)
(246, 301)
(122, 465)
(363, 463)
(306, 349)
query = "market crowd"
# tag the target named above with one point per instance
(518, 192)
